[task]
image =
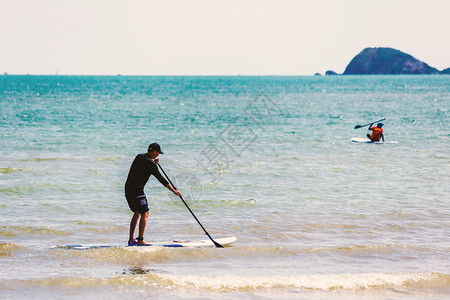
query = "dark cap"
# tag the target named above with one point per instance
(155, 146)
(380, 125)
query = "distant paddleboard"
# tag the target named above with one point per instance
(365, 140)
(189, 244)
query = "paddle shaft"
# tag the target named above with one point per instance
(215, 243)
(359, 126)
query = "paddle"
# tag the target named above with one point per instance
(215, 243)
(359, 126)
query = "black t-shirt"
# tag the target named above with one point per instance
(140, 171)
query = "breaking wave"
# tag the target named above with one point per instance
(428, 283)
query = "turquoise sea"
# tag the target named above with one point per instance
(266, 159)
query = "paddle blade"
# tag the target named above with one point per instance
(218, 245)
(358, 126)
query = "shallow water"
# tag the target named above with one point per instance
(266, 159)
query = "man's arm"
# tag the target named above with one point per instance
(170, 187)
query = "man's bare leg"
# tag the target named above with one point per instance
(142, 225)
(133, 225)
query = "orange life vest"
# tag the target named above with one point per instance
(376, 134)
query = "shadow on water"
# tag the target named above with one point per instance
(141, 271)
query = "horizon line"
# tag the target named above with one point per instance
(215, 75)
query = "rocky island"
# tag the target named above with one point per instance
(389, 61)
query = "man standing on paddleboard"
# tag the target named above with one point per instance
(377, 132)
(143, 166)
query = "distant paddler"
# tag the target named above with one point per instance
(377, 133)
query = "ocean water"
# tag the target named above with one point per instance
(266, 159)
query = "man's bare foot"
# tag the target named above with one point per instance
(132, 242)
(143, 243)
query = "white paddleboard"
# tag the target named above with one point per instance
(190, 244)
(366, 140)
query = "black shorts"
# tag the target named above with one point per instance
(137, 203)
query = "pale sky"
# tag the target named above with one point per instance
(208, 37)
